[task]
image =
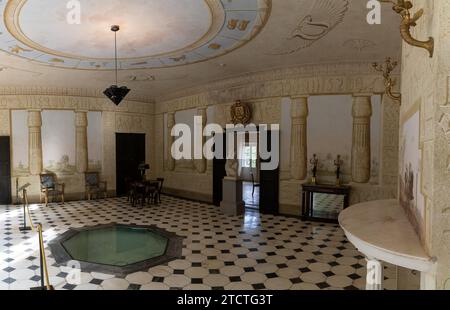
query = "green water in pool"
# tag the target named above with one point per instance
(117, 246)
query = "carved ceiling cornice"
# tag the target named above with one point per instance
(312, 70)
(314, 79)
(70, 92)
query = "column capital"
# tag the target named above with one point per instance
(34, 118)
(81, 119)
(299, 108)
(362, 107)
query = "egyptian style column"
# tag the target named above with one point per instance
(81, 141)
(362, 111)
(170, 141)
(35, 142)
(199, 140)
(299, 152)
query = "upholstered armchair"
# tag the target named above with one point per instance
(94, 186)
(51, 188)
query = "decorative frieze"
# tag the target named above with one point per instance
(41, 102)
(130, 123)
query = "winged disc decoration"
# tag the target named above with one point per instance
(322, 17)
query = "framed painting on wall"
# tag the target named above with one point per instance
(410, 169)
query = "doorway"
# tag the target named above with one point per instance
(267, 188)
(5, 171)
(130, 152)
(249, 171)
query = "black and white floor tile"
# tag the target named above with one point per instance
(233, 253)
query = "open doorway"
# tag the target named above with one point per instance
(265, 198)
(249, 173)
(130, 152)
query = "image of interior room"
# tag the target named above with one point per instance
(116, 164)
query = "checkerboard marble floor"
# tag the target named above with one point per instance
(233, 253)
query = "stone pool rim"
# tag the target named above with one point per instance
(62, 256)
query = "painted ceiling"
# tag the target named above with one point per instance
(167, 45)
(154, 33)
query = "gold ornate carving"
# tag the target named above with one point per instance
(387, 69)
(402, 8)
(240, 113)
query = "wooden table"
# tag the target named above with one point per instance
(381, 231)
(308, 191)
(139, 190)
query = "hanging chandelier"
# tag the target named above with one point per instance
(115, 93)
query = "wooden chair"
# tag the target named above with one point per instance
(254, 184)
(138, 194)
(159, 190)
(94, 186)
(50, 187)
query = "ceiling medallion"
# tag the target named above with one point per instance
(115, 93)
(199, 30)
(241, 113)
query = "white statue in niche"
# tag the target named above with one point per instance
(231, 168)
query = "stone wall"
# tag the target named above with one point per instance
(426, 87)
(264, 92)
(129, 117)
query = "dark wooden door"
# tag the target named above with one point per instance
(130, 152)
(269, 186)
(5, 171)
(219, 171)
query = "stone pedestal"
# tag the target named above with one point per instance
(232, 203)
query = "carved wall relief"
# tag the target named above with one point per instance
(323, 17)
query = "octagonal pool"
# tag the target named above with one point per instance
(116, 245)
(116, 248)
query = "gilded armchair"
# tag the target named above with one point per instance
(51, 188)
(94, 186)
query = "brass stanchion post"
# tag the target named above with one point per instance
(25, 203)
(43, 264)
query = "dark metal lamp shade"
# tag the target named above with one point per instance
(116, 94)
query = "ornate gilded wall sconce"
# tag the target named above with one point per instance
(387, 69)
(402, 8)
